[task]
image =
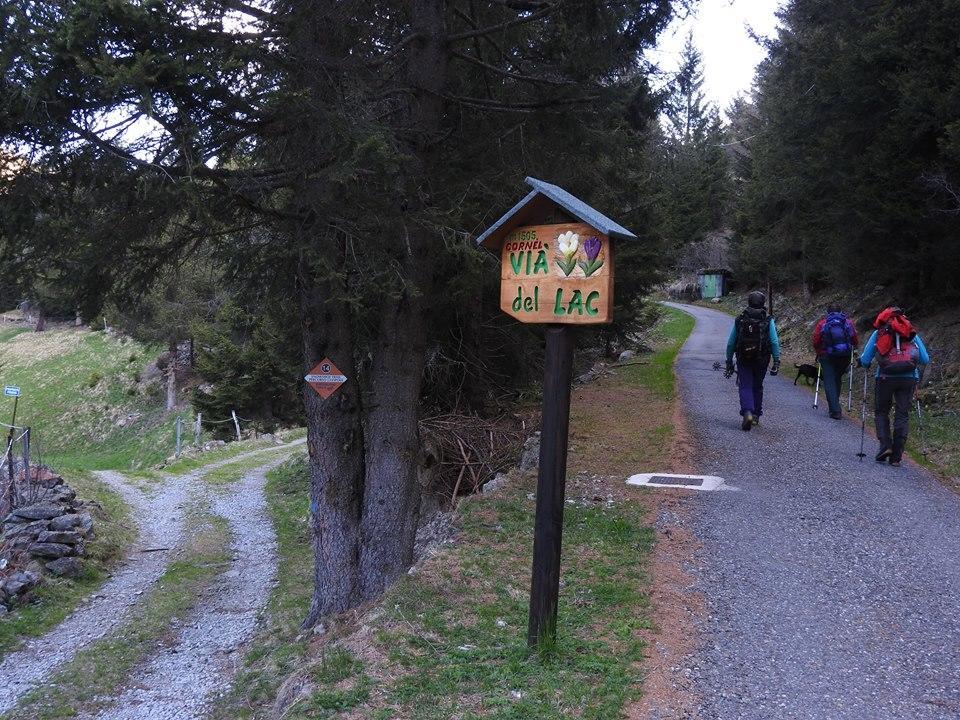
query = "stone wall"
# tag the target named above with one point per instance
(48, 536)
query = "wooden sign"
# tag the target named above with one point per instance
(325, 378)
(557, 274)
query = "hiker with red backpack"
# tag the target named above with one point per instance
(834, 339)
(901, 356)
(753, 339)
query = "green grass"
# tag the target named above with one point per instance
(671, 332)
(452, 638)
(641, 390)
(103, 668)
(942, 435)
(232, 472)
(458, 639)
(450, 641)
(79, 393)
(188, 463)
(57, 598)
(11, 332)
(732, 304)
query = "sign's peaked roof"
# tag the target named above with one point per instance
(570, 204)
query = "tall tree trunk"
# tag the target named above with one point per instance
(172, 376)
(335, 447)
(391, 498)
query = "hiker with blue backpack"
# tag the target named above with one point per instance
(753, 339)
(901, 358)
(834, 340)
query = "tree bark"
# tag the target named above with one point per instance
(335, 447)
(363, 441)
(391, 499)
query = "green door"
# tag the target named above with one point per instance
(710, 287)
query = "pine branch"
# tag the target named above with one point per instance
(248, 9)
(395, 51)
(489, 30)
(519, 107)
(507, 73)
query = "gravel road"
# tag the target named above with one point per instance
(181, 679)
(159, 517)
(159, 521)
(832, 585)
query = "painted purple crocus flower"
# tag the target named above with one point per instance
(591, 246)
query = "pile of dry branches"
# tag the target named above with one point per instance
(466, 450)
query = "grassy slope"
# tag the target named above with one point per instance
(78, 386)
(449, 641)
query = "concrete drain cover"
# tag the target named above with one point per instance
(690, 482)
(676, 480)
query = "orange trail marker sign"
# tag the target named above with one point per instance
(325, 378)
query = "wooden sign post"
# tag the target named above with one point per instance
(556, 268)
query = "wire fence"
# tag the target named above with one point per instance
(198, 424)
(23, 477)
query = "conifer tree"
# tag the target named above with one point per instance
(342, 153)
(854, 169)
(689, 159)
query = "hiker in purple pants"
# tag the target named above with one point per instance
(753, 339)
(750, 375)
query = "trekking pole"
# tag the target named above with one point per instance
(850, 391)
(923, 440)
(816, 393)
(863, 416)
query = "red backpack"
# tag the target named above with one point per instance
(901, 357)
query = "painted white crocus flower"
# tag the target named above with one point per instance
(568, 242)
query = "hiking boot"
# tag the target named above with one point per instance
(835, 415)
(896, 454)
(747, 421)
(884, 454)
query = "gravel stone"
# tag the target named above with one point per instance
(65, 522)
(65, 567)
(49, 550)
(26, 529)
(179, 682)
(157, 522)
(64, 537)
(831, 584)
(227, 618)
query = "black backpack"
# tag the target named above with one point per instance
(753, 340)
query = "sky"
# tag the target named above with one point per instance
(719, 29)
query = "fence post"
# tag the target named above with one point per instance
(179, 431)
(13, 487)
(6, 496)
(196, 430)
(236, 423)
(26, 459)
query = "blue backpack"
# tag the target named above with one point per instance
(834, 336)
